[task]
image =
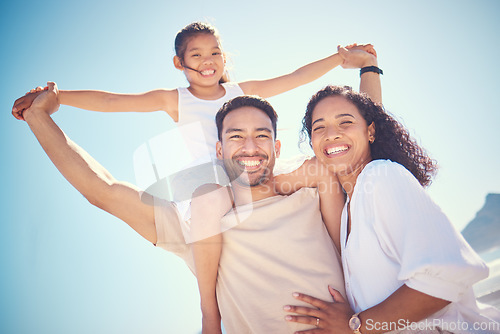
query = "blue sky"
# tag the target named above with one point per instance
(68, 267)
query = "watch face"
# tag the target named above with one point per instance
(354, 323)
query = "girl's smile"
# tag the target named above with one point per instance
(204, 57)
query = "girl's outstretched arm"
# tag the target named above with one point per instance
(299, 77)
(95, 100)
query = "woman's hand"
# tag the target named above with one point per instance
(328, 317)
(358, 56)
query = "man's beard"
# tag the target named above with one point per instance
(237, 173)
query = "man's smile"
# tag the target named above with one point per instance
(250, 163)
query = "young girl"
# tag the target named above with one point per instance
(200, 56)
(404, 263)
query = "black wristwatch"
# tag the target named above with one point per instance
(370, 69)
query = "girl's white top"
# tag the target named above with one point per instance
(197, 120)
(400, 236)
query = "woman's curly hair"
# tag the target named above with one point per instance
(392, 140)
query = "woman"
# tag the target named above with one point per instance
(404, 263)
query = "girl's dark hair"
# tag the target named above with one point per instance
(185, 34)
(392, 140)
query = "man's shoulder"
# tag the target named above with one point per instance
(164, 206)
(168, 223)
(306, 192)
(278, 206)
(303, 197)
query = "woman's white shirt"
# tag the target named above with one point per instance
(400, 236)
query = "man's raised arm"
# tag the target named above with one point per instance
(85, 174)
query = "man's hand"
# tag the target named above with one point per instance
(46, 101)
(24, 102)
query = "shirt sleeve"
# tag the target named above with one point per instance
(169, 231)
(433, 256)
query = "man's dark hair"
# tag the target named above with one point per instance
(245, 101)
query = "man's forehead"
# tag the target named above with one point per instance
(246, 118)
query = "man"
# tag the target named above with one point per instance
(281, 247)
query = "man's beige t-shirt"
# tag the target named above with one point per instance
(279, 247)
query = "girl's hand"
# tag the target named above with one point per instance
(24, 102)
(328, 317)
(358, 56)
(363, 47)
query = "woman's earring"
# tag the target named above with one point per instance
(371, 140)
